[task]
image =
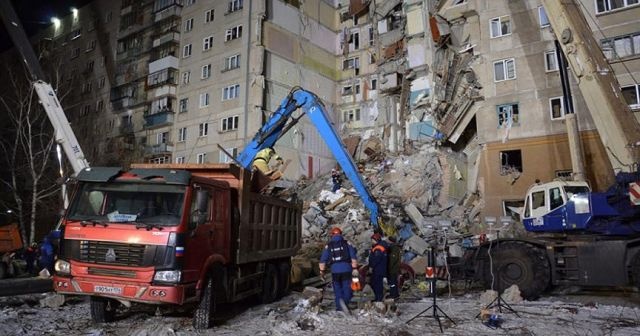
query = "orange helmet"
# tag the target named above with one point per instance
(376, 237)
(336, 231)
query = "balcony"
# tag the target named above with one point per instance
(163, 63)
(167, 13)
(133, 52)
(125, 129)
(162, 118)
(163, 148)
(163, 77)
(171, 37)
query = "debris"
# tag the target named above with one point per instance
(52, 300)
(512, 294)
(488, 296)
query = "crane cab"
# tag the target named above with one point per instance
(557, 206)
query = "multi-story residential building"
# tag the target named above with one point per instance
(497, 85)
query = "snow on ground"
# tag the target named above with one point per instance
(22, 315)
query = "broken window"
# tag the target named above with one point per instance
(556, 106)
(351, 115)
(351, 63)
(501, 26)
(631, 95)
(504, 70)
(543, 19)
(347, 90)
(508, 115)
(371, 38)
(510, 161)
(374, 84)
(511, 208)
(550, 61)
(354, 41)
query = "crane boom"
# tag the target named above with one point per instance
(281, 121)
(63, 133)
(618, 128)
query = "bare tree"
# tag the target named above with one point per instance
(28, 150)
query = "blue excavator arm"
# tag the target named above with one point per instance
(281, 121)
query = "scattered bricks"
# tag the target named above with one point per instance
(314, 295)
(488, 296)
(414, 214)
(512, 294)
(417, 245)
(418, 264)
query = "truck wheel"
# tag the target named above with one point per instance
(103, 310)
(269, 284)
(203, 316)
(521, 264)
(284, 279)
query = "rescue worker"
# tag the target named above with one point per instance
(394, 253)
(342, 259)
(30, 257)
(46, 255)
(336, 179)
(261, 161)
(378, 266)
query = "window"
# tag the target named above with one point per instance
(206, 71)
(231, 92)
(555, 198)
(233, 33)
(371, 36)
(86, 110)
(201, 158)
(351, 115)
(510, 208)
(203, 129)
(162, 138)
(351, 63)
(603, 6)
(556, 107)
(537, 200)
(631, 95)
(179, 159)
(89, 66)
(347, 90)
(232, 62)
(208, 16)
(182, 134)
(186, 77)
(188, 25)
(501, 26)
(354, 41)
(184, 105)
(374, 84)
(86, 87)
(550, 61)
(75, 52)
(229, 123)
(100, 105)
(90, 46)
(543, 19)
(224, 158)
(458, 2)
(101, 82)
(504, 70)
(207, 43)
(621, 46)
(235, 5)
(508, 115)
(186, 51)
(510, 161)
(204, 99)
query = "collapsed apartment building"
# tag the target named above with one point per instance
(168, 81)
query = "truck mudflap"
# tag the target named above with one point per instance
(135, 292)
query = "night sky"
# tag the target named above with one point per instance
(36, 14)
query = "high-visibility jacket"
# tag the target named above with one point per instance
(378, 260)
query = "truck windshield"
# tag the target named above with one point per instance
(572, 190)
(128, 203)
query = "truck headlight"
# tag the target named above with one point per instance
(168, 276)
(62, 267)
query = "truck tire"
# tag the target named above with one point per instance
(521, 264)
(269, 284)
(284, 279)
(203, 316)
(103, 310)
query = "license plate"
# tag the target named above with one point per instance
(107, 290)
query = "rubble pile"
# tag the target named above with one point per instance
(411, 190)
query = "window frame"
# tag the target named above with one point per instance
(183, 105)
(563, 111)
(203, 129)
(510, 116)
(607, 6)
(637, 91)
(185, 48)
(201, 158)
(229, 61)
(541, 10)
(231, 92)
(205, 71)
(499, 20)
(207, 43)
(207, 99)
(188, 25)
(224, 123)
(555, 60)
(233, 33)
(209, 15)
(505, 69)
(182, 134)
(186, 77)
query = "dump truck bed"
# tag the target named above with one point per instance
(10, 239)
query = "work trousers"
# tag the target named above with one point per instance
(394, 291)
(377, 286)
(342, 289)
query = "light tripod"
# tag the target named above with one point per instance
(498, 301)
(432, 279)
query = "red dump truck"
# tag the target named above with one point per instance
(10, 241)
(175, 234)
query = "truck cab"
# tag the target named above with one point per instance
(557, 206)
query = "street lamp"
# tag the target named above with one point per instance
(56, 22)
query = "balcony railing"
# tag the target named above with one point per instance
(162, 118)
(171, 37)
(167, 13)
(163, 148)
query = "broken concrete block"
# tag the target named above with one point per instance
(488, 296)
(414, 214)
(512, 294)
(418, 264)
(314, 295)
(52, 301)
(417, 245)
(406, 232)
